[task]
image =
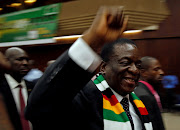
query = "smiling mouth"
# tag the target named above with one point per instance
(130, 80)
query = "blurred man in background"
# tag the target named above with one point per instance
(34, 74)
(150, 80)
(15, 89)
(169, 83)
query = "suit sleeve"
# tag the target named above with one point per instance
(62, 81)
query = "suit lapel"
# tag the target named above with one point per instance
(29, 86)
(8, 94)
(10, 104)
(146, 88)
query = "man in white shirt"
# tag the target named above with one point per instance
(65, 98)
(14, 89)
(34, 74)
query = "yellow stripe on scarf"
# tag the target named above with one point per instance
(116, 108)
(139, 103)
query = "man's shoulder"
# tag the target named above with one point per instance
(3, 81)
(90, 92)
(141, 90)
(143, 93)
(91, 89)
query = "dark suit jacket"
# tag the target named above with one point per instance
(10, 103)
(87, 107)
(64, 97)
(150, 102)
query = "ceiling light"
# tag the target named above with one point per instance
(132, 31)
(14, 5)
(77, 36)
(67, 37)
(29, 1)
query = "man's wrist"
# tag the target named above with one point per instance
(94, 41)
(83, 55)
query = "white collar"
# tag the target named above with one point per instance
(13, 83)
(118, 96)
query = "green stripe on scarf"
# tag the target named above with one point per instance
(134, 96)
(113, 110)
(99, 79)
(110, 115)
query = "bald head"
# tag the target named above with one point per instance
(10, 52)
(19, 61)
(151, 70)
(146, 62)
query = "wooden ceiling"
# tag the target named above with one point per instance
(77, 16)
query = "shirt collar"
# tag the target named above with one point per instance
(118, 96)
(13, 83)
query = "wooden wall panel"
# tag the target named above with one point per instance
(42, 54)
(166, 50)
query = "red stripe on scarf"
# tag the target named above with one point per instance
(113, 100)
(143, 111)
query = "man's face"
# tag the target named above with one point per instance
(19, 62)
(155, 72)
(122, 70)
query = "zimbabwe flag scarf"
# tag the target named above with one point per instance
(115, 117)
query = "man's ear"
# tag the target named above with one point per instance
(103, 67)
(143, 72)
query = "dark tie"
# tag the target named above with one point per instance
(25, 124)
(125, 104)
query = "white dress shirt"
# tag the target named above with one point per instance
(84, 56)
(15, 91)
(135, 117)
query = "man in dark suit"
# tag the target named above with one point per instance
(66, 98)
(14, 89)
(151, 77)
